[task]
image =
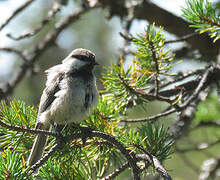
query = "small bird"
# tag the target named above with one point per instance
(69, 96)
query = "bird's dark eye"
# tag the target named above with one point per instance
(84, 58)
(93, 57)
(90, 58)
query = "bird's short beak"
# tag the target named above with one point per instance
(95, 63)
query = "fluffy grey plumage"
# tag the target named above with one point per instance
(69, 96)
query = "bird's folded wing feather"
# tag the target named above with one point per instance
(49, 92)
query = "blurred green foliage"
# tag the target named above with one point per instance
(208, 110)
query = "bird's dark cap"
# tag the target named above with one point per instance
(83, 54)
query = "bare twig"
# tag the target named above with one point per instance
(146, 10)
(200, 86)
(151, 118)
(208, 77)
(213, 77)
(39, 163)
(130, 156)
(127, 27)
(16, 12)
(116, 172)
(56, 7)
(158, 166)
(125, 37)
(156, 68)
(180, 77)
(42, 47)
(184, 120)
(148, 159)
(21, 129)
(146, 96)
(17, 52)
(151, 159)
(184, 38)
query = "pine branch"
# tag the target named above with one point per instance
(90, 134)
(208, 77)
(116, 172)
(32, 131)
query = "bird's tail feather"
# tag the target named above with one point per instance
(38, 146)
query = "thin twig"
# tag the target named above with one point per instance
(16, 51)
(151, 159)
(127, 27)
(156, 67)
(32, 131)
(200, 86)
(116, 172)
(127, 38)
(55, 8)
(178, 78)
(184, 38)
(151, 118)
(158, 166)
(130, 156)
(42, 47)
(202, 83)
(16, 12)
(214, 75)
(40, 162)
(144, 95)
(184, 119)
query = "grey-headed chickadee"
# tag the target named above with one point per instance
(69, 96)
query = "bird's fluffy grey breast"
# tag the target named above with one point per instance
(69, 98)
(69, 103)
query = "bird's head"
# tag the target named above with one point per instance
(79, 60)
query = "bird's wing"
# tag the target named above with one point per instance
(49, 92)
